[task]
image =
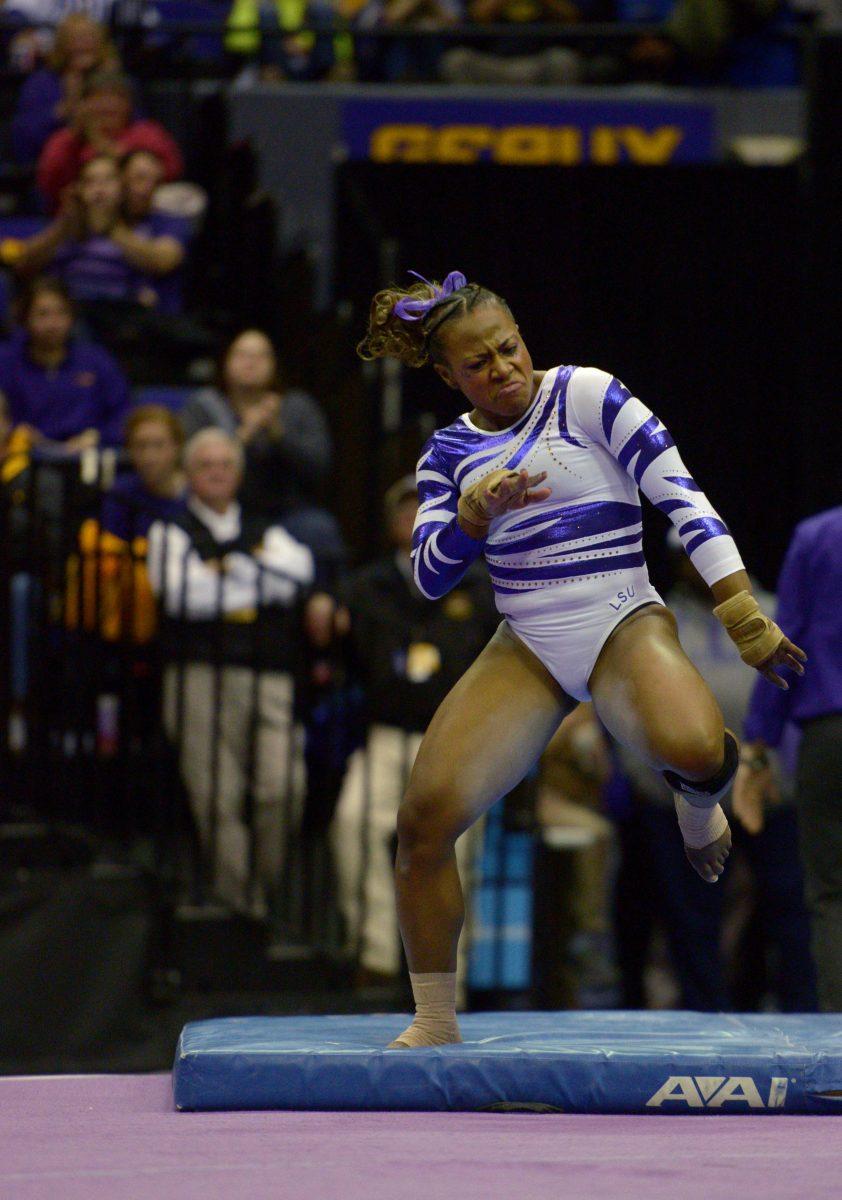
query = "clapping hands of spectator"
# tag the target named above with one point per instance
(264, 414)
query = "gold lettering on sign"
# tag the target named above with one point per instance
(402, 143)
(652, 148)
(526, 145)
(463, 143)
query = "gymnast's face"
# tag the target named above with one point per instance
(484, 357)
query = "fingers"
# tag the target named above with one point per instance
(774, 678)
(791, 648)
(537, 496)
(531, 480)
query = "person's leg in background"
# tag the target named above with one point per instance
(362, 839)
(278, 779)
(635, 904)
(819, 804)
(691, 911)
(781, 912)
(206, 714)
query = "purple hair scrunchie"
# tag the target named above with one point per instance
(412, 308)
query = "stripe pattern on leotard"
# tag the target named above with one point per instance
(599, 445)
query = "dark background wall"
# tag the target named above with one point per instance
(687, 283)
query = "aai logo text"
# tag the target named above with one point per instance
(715, 1091)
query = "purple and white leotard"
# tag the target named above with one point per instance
(566, 570)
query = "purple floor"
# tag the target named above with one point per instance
(116, 1137)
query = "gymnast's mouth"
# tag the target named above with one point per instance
(509, 390)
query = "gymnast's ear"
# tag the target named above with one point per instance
(444, 372)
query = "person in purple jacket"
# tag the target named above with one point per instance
(809, 590)
(48, 99)
(64, 391)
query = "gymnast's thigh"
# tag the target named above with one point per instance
(651, 697)
(486, 734)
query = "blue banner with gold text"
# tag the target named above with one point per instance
(529, 133)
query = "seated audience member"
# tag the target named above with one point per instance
(156, 486)
(231, 583)
(516, 60)
(104, 124)
(124, 277)
(80, 245)
(408, 652)
(396, 59)
(286, 440)
(48, 99)
(62, 390)
(154, 242)
(113, 549)
(269, 32)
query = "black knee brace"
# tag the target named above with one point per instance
(705, 792)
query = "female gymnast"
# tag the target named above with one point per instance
(541, 477)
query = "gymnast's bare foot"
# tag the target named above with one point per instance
(417, 1035)
(709, 861)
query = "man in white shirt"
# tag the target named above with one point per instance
(231, 586)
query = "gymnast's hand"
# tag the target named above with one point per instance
(762, 644)
(786, 654)
(496, 494)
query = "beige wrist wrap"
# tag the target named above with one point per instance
(755, 635)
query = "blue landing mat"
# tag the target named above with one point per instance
(620, 1062)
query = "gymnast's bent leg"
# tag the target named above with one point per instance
(652, 699)
(488, 731)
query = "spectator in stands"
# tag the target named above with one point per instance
(156, 486)
(104, 124)
(231, 583)
(88, 245)
(408, 652)
(705, 41)
(49, 97)
(124, 276)
(654, 883)
(515, 60)
(115, 591)
(62, 390)
(268, 34)
(285, 437)
(154, 242)
(395, 59)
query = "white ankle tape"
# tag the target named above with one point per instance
(699, 826)
(435, 1010)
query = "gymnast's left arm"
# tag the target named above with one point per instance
(608, 413)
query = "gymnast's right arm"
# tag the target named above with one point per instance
(441, 549)
(450, 530)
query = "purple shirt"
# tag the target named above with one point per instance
(168, 288)
(86, 391)
(810, 613)
(129, 509)
(97, 269)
